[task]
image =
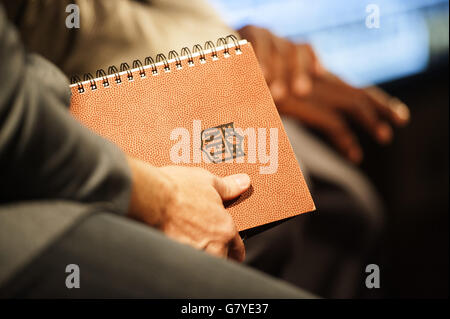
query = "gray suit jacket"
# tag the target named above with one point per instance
(45, 155)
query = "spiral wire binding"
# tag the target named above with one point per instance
(125, 67)
(186, 52)
(102, 74)
(173, 55)
(112, 70)
(137, 64)
(209, 45)
(198, 48)
(151, 64)
(162, 58)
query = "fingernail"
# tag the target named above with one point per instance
(384, 133)
(400, 109)
(242, 180)
(278, 90)
(302, 86)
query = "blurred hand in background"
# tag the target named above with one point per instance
(303, 88)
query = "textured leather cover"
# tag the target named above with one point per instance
(139, 116)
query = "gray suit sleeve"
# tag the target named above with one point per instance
(44, 152)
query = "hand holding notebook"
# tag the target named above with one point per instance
(186, 203)
(210, 109)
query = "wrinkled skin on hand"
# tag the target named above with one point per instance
(187, 205)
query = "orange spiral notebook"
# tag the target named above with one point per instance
(209, 107)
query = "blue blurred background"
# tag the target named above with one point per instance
(413, 34)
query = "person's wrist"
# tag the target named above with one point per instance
(150, 191)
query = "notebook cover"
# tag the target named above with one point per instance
(198, 116)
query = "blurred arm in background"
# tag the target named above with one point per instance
(302, 88)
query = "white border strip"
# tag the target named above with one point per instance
(145, 67)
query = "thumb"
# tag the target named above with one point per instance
(232, 186)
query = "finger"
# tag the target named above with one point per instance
(232, 186)
(390, 107)
(277, 85)
(356, 103)
(301, 84)
(329, 123)
(236, 249)
(301, 65)
(262, 46)
(217, 249)
(339, 94)
(267, 53)
(364, 112)
(185, 239)
(343, 138)
(317, 67)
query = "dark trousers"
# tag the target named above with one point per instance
(121, 258)
(324, 252)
